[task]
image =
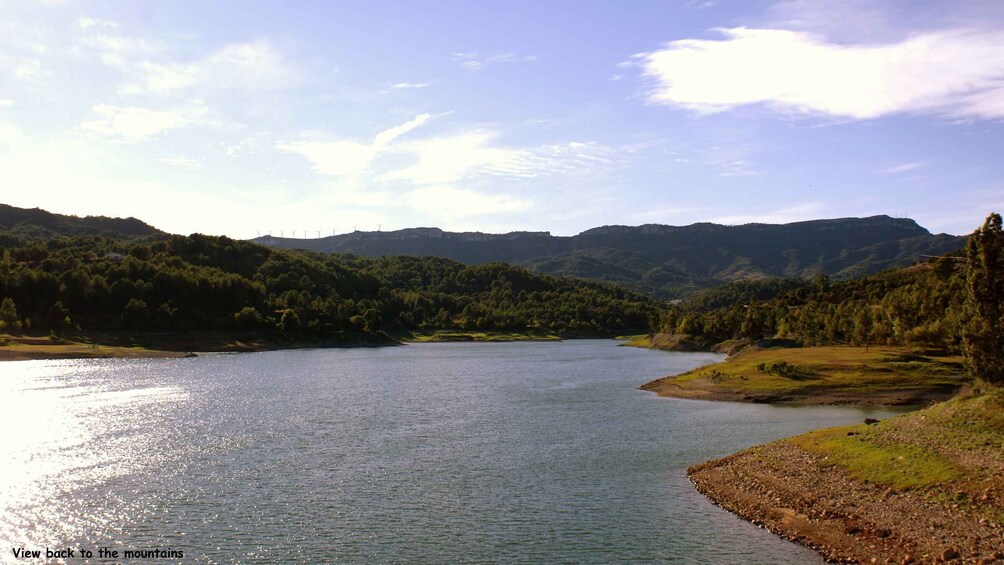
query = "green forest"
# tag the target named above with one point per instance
(80, 276)
(163, 283)
(944, 304)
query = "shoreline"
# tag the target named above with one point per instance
(177, 345)
(160, 346)
(911, 489)
(868, 376)
(924, 487)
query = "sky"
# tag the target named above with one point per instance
(243, 118)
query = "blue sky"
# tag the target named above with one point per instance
(244, 117)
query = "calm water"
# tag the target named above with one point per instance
(522, 452)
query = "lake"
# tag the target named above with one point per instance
(495, 452)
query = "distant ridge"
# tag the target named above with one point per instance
(667, 261)
(35, 223)
(664, 261)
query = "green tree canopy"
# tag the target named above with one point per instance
(983, 334)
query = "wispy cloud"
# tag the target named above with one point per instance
(88, 22)
(904, 168)
(133, 124)
(450, 203)
(405, 86)
(150, 66)
(181, 162)
(660, 214)
(476, 62)
(445, 159)
(955, 72)
(409, 85)
(256, 65)
(23, 68)
(6, 102)
(450, 158)
(472, 153)
(343, 158)
(797, 213)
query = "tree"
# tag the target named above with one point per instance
(290, 321)
(135, 314)
(983, 334)
(249, 318)
(8, 314)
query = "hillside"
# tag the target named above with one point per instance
(920, 305)
(95, 286)
(667, 261)
(24, 224)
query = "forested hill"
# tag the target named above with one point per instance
(668, 261)
(88, 284)
(920, 305)
(28, 224)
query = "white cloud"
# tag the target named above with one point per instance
(510, 57)
(335, 158)
(449, 203)
(958, 72)
(72, 175)
(384, 138)
(409, 85)
(132, 124)
(467, 154)
(445, 159)
(475, 62)
(253, 66)
(29, 69)
(451, 158)
(904, 168)
(350, 158)
(181, 162)
(6, 102)
(87, 22)
(151, 67)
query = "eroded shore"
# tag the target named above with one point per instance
(925, 487)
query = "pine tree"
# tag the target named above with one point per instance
(983, 336)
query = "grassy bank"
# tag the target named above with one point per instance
(821, 375)
(668, 342)
(19, 348)
(165, 344)
(447, 336)
(924, 487)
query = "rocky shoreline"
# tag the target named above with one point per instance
(852, 514)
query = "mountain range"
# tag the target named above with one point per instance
(668, 262)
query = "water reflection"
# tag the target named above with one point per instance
(433, 452)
